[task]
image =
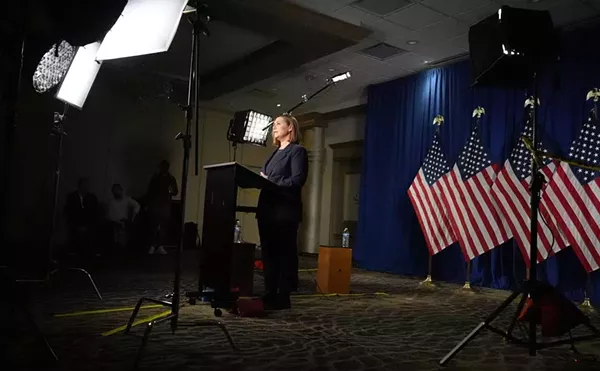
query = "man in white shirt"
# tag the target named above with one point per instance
(120, 212)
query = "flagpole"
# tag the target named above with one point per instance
(428, 282)
(587, 304)
(467, 285)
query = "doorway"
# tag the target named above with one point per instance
(346, 169)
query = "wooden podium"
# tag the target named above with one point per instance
(334, 269)
(225, 265)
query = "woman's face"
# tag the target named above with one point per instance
(281, 128)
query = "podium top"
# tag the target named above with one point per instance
(243, 177)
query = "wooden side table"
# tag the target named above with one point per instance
(334, 269)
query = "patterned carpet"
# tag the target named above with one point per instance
(390, 323)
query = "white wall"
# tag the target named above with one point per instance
(346, 129)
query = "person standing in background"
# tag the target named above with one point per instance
(161, 190)
(81, 209)
(121, 211)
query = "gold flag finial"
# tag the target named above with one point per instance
(478, 112)
(593, 94)
(438, 120)
(529, 101)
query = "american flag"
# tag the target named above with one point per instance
(425, 195)
(512, 199)
(574, 195)
(472, 215)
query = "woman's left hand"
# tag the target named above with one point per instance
(263, 175)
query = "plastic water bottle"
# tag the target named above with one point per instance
(346, 238)
(237, 232)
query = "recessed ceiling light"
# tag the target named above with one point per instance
(412, 42)
(426, 61)
(278, 104)
(332, 70)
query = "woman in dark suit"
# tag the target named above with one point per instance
(280, 212)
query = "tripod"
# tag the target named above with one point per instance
(191, 110)
(531, 288)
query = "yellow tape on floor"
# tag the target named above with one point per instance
(138, 322)
(338, 295)
(103, 311)
(299, 270)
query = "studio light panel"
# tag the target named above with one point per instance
(144, 27)
(255, 123)
(80, 77)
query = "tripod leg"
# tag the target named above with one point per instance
(513, 321)
(91, 281)
(462, 344)
(34, 324)
(227, 335)
(133, 315)
(140, 352)
(84, 272)
(478, 329)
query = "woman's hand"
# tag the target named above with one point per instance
(263, 175)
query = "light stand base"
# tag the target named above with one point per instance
(57, 270)
(525, 291)
(174, 319)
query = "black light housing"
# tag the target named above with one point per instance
(247, 127)
(510, 45)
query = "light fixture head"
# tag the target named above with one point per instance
(412, 42)
(80, 77)
(341, 77)
(53, 66)
(248, 127)
(189, 9)
(145, 27)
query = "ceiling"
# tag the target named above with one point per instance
(439, 27)
(266, 54)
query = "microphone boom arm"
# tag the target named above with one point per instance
(305, 99)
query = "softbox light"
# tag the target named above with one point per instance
(145, 27)
(510, 45)
(247, 127)
(80, 76)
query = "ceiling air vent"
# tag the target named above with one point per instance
(262, 94)
(381, 7)
(382, 51)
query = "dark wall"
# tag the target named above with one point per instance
(124, 130)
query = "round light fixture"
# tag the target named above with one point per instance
(53, 66)
(412, 42)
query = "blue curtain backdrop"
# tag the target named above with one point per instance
(399, 132)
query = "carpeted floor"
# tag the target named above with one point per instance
(391, 323)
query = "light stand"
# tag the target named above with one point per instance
(191, 110)
(532, 288)
(52, 266)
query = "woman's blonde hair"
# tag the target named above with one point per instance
(295, 136)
